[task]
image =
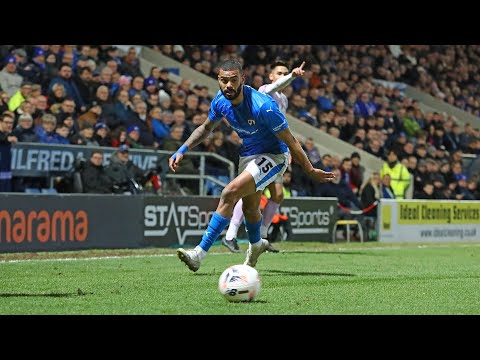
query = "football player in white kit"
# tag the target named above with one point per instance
(280, 78)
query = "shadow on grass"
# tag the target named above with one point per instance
(54, 295)
(320, 252)
(303, 273)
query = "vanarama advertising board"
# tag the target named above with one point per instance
(429, 220)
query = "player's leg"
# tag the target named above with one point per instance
(276, 191)
(230, 239)
(241, 186)
(264, 169)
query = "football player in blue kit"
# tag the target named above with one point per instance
(267, 145)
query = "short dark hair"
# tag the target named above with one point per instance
(231, 64)
(279, 63)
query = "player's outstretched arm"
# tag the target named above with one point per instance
(284, 81)
(301, 158)
(197, 136)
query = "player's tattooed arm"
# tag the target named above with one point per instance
(201, 133)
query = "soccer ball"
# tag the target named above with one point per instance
(239, 283)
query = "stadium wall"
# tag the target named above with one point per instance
(43, 222)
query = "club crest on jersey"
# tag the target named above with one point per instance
(251, 122)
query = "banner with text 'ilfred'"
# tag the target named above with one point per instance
(429, 220)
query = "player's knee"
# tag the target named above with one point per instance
(230, 195)
(278, 198)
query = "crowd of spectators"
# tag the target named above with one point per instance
(93, 95)
(339, 95)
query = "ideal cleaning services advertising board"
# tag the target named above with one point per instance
(429, 220)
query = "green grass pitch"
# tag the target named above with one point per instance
(304, 279)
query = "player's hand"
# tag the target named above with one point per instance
(174, 160)
(322, 176)
(299, 70)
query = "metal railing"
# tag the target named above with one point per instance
(202, 176)
(50, 160)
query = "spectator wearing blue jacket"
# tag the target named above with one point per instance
(161, 131)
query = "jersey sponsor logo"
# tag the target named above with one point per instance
(238, 130)
(251, 122)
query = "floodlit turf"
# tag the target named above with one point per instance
(306, 278)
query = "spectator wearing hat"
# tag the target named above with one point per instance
(102, 134)
(179, 53)
(151, 85)
(133, 137)
(95, 179)
(20, 55)
(123, 83)
(36, 70)
(163, 79)
(20, 96)
(461, 191)
(64, 77)
(122, 170)
(10, 80)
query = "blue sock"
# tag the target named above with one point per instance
(217, 224)
(253, 231)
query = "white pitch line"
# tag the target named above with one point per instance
(223, 253)
(94, 258)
